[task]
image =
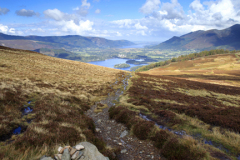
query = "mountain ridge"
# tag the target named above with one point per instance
(33, 42)
(228, 38)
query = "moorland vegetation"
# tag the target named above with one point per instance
(59, 92)
(198, 98)
(193, 99)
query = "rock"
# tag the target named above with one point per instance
(123, 151)
(58, 156)
(99, 121)
(79, 147)
(46, 158)
(66, 147)
(108, 128)
(107, 158)
(59, 149)
(66, 155)
(123, 134)
(72, 151)
(43, 157)
(119, 144)
(91, 152)
(98, 129)
(77, 155)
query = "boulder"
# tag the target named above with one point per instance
(46, 158)
(91, 152)
(66, 155)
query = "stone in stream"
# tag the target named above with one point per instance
(66, 155)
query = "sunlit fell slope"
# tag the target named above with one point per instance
(195, 104)
(58, 92)
(218, 69)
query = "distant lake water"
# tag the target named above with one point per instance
(135, 46)
(111, 62)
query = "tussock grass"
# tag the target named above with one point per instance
(60, 92)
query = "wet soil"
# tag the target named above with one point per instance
(113, 133)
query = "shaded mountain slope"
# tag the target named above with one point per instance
(228, 38)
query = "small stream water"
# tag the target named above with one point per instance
(20, 129)
(183, 133)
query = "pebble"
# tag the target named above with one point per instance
(123, 134)
(119, 144)
(79, 147)
(59, 149)
(98, 129)
(123, 151)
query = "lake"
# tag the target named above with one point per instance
(111, 62)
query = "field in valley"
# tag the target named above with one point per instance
(198, 98)
(58, 92)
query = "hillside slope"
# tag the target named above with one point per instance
(189, 109)
(44, 99)
(201, 40)
(57, 42)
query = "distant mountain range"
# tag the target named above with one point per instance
(228, 38)
(59, 42)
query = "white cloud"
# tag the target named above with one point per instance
(4, 11)
(85, 4)
(83, 9)
(54, 14)
(6, 30)
(174, 10)
(139, 26)
(150, 6)
(119, 34)
(196, 6)
(59, 15)
(71, 27)
(98, 11)
(124, 23)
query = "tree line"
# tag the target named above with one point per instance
(185, 58)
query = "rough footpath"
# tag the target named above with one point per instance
(117, 135)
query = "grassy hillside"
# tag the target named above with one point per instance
(58, 91)
(196, 102)
(184, 58)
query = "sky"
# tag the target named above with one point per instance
(134, 20)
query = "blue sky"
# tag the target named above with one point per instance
(135, 20)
